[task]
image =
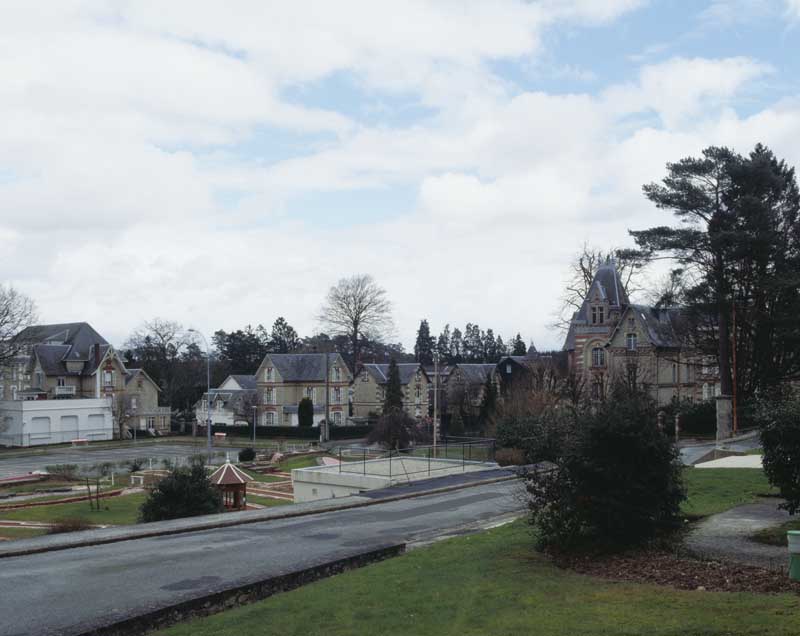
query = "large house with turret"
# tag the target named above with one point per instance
(611, 339)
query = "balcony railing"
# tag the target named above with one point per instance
(65, 390)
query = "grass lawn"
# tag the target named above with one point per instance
(269, 502)
(494, 583)
(304, 461)
(713, 490)
(21, 533)
(777, 534)
(123, 510)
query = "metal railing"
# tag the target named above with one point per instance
(451, 454)
(65, 390)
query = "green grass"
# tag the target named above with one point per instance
(494, 583)
(269, 502)
(25, 489)
(263, 478)
(122, 510)
(21, 533)
(713, 490)
(755, 451)
(776, 535)
(304, 461)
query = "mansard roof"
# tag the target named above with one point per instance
(77, 338)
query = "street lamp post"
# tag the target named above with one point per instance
(208, 392)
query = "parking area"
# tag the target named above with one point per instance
(14, 464)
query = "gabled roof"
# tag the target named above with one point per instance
(304, 367)
(661, 325)
(228, 474)
(132, 373)
(229, 397)
(245, 381)
(474, 373)
(406, 370)
(53, 358)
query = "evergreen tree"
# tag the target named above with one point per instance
(284, 338)
(456, 347)
(455, 427)
(305, 412)
(486, 415)
(501, 348)
(394, 390)
(443, 345)
(518, 347)
(185, 492)
(424, 346)
(490, 347)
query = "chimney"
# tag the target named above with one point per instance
(96, 355)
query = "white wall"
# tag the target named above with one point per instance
(40, 422)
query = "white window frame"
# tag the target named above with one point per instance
(631, 341)
(310, 393)
(269, 374)
(598, 357)
(337, 395)
(337, 418)
(269, 418)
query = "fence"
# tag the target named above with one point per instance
(288, 432)
(452, 455)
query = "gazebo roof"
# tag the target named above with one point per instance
(228, 474)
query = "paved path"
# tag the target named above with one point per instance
(734, 461)
(725, 536)
(692, 453)
(82, 588)
(24, 464)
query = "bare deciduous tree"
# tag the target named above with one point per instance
(357, 307)
(629, 263)
(17, 312)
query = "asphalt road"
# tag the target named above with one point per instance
(12, 464)
(70, 591)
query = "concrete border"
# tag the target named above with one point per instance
(210, 522)
(241, 595)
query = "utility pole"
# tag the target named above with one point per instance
(435, 399)
(733, 330)
(255, 419)
(326, 434)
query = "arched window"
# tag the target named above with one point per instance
(598, 357)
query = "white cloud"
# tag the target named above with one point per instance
(793, 8)
(121, 125)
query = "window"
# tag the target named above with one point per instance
(706, 391)
(630, 341)
(151, 422)
(310, 393)
(674, 373)
(269, 417)
(364, 376)
(597, 315)
(598, 357)
(39, 379)
(418, 392)
(108, 378)
(220, 404)
(205, 405)
(337, 374)
(133, 403)
(337, 418)
(508, 368)
(61, 382)
(13, 392)
(269, 395)
(337, 395)
(269, 374)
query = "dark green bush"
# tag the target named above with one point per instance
(616, 483)
(185, 492)
(305, 413)
(247, 454)
(779, 426)
(698, 419)
(541, 437)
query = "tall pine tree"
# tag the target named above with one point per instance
(424, 346)
(393, 400)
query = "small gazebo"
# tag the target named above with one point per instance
(233, 484)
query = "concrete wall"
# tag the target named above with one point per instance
(316, 482)
(41, 422)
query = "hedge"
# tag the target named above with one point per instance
(292, 432)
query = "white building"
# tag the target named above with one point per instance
(40, 422)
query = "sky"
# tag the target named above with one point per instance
(222, 164)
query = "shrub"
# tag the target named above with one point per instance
(69, 524)
(697, 418)
(134, 465)
(67, 472)
(779, 426)
(510, 456)
(396, 430)
(616, 483)
(305, 413)
(247, 454)
(541, 437)
(185, 492)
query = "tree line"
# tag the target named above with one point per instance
(472, 345)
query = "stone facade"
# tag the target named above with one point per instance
(369, 389)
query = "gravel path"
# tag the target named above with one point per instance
(725, 536)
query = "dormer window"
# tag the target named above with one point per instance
(598, 315)
(269, 374)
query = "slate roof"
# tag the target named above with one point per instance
(662, 325)
(475, 373)
(53, 358)
(407, 371)
(303, 367)
(245, 381)
(79, 336)
(230, 397)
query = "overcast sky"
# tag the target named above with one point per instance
(224, 163)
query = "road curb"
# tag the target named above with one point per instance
(362, 503)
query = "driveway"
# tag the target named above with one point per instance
(83, 588)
